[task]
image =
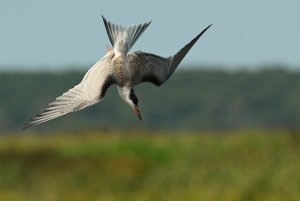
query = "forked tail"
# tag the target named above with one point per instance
(123, 37)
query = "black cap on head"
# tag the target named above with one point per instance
(133, 97)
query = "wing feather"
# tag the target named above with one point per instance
(152, 68)
(88, 92)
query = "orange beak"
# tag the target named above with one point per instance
(137, 112)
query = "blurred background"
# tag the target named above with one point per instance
(224, 127)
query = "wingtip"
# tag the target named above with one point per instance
(207, 28)
(26, 125)
(178, 57)
(202, 32)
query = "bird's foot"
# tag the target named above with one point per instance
(108, 49)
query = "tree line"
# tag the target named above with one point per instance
(190, 100)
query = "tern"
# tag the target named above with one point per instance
(119, 66)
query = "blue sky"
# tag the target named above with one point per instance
(58, 34)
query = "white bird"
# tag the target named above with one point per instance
(119, 66)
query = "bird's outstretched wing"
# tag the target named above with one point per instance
(148, 67)
(90, 91)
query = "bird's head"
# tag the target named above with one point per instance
(131, 99)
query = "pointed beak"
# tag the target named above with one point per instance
(137, 112)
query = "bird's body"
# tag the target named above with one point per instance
(119, 66)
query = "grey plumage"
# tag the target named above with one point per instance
(88, 92)
(119, 66)
(148, 67)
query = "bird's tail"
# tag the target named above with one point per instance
(124, 37)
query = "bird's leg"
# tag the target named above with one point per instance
(108, 49)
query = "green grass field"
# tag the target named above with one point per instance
(136, 166)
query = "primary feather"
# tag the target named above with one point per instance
(88, 92)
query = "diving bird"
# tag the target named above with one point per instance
(119, 66)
